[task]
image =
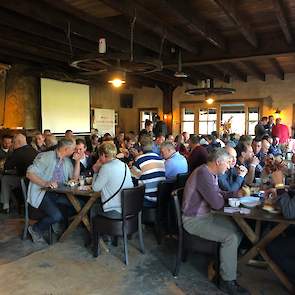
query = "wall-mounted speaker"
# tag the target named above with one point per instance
(126, 101)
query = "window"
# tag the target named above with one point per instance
(207, 121)
(188, 121)
(253, 117)
(146, 115)
(233, 116)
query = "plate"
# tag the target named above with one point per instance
(274, 211)
(250, 202)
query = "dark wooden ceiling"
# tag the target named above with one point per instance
(219, 39)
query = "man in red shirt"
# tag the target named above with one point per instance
(281, 131)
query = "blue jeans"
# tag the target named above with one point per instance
(53, 213)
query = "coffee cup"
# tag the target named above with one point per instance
(234, 202)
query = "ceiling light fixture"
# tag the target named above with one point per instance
(118, 78)
(209, 100)
(180, 73)
(211, 90)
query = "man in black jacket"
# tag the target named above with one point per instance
(6, 145)
(15, 167)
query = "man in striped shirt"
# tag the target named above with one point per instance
(150, 170)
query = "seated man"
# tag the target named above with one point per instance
(50, 142)
(86, 161)
(257, 146)
(198, 154)
(39, 142)
(48, 170)
(201, 195)
(246, 158)
(111, 176)
(157, 144)
(69, 134)
(175, 163)
(6, 147)
(150, 170)
(15, 167)
(232, 180)
(281, 249)
(274, 148)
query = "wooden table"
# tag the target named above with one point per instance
(72, 195)
(260, 242)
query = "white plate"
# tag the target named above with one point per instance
(250, 201)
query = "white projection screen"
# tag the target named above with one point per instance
(65, 105)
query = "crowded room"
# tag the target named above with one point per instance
(147, 147)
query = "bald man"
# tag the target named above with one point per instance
(15, 167)
(233, 179)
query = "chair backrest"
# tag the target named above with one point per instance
(132, 201)
(177, 201)
(164, 191)
(181, 179)
(24, 185)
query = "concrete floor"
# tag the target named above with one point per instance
(69, 268)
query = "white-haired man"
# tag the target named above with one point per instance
(201, 195)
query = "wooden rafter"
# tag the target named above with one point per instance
(278, 69)
(151, 22)
(255, 70)
(230, 9)
(282, 19)
(270, 48)
(186, 15)
(232, 70)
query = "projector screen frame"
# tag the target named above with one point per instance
(89, 108)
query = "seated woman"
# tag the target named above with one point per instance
(111, 176)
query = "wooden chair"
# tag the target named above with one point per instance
(190, 243)
(123, 224)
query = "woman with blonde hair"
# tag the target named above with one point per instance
(111, 176)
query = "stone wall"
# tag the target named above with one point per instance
(19, 99)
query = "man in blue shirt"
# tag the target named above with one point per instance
(157, 143)
(232, 180)
(175, 163)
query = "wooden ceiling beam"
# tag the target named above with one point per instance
(273, 46)
(185, 14)
(282, 19)
(230, 10)
(46, 14)
(115, 27)
(44, 32)
(254, 69)
(232, 70)
(147, 19)
(158, 76)
(278, 69)
(213, 73)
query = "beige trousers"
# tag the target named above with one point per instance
(220, 229)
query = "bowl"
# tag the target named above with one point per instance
(234, 202)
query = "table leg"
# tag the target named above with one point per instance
(81, 214)
(276, 231)
(77, 206)
(251, 235)
(282, 277)
(258, 228)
